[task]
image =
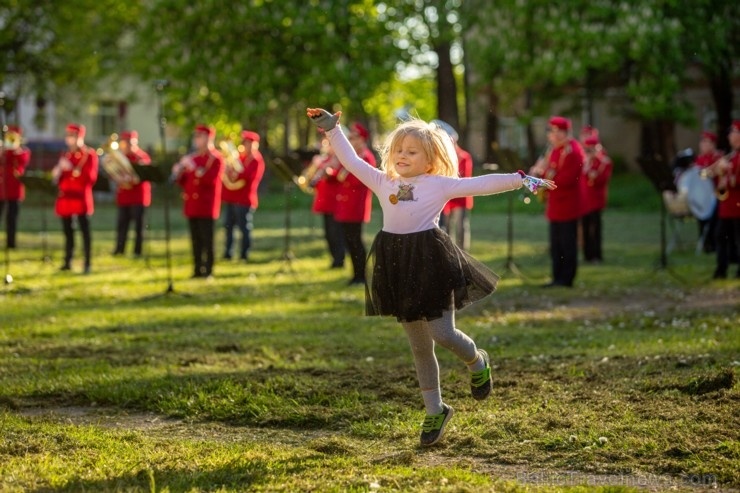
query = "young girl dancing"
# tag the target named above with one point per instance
(414, 271)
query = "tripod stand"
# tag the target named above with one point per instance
(286, 174)
(662, 178)
(160, 86)
(509, 161)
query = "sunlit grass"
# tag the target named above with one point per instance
(269, 378)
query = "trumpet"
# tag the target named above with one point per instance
(233, 164)
(116, 164)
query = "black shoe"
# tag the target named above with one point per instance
(480, 381)
(337, 266)
(226, 257)
(355, 281)
(433, 428)
(65, 267)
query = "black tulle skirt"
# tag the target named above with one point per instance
(417, 276)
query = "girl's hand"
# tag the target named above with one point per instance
(324, 120)
(534, 185)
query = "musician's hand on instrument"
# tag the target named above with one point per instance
(534, 184)
(324, 120)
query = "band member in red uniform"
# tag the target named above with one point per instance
(562, 164)
(354, 204)
(200, 176)
(708, 155)
(240, 193)
(14, 158)
(75, 175)
(325, 185)
(133, 196)
(597, 170)
(726, 174)
(455, 217)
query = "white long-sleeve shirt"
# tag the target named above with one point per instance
(411, 205)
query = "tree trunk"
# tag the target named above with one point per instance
(492, 125)
(447, 108)
(657, 150)
(721, 87)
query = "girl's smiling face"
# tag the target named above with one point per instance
(409, 158)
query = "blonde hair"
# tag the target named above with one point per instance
(435, 142)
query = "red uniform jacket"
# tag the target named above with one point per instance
(354, 200)
(75, 196)
(730, 207)
(597, 171)
(13, 164)
(704, 160)
(564, 168)
(135, 193)
(246, 182)
(202, 186)
(464, 169)
(326, 189)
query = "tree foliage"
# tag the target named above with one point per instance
(53, 48)
(249, 62)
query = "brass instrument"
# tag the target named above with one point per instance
(719, 169)
(12, 141)
(116, 164)
(234, 165)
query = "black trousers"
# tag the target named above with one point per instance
(564, 251)
(728, 239)
(11, 220)
(238, 216)
(591, 227)
(201, 236)
(69, 238)
(356, 249)
(708, 228)
(334, 235)
(126, 214)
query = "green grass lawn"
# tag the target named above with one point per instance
(269, 378)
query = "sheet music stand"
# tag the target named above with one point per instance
(508, 161)
(159, 175)
(662, 178)
(287, 169)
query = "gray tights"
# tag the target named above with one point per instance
(423, 334)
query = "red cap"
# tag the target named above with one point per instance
(129, 134)
(709, 136)
(361, 131)
(591, 141)
(206, 129)
(560, 122)
(735, 125)
(589, 131)
(15, 129)
(76, 128)
(249, 135)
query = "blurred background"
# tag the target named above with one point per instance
(650, 74)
